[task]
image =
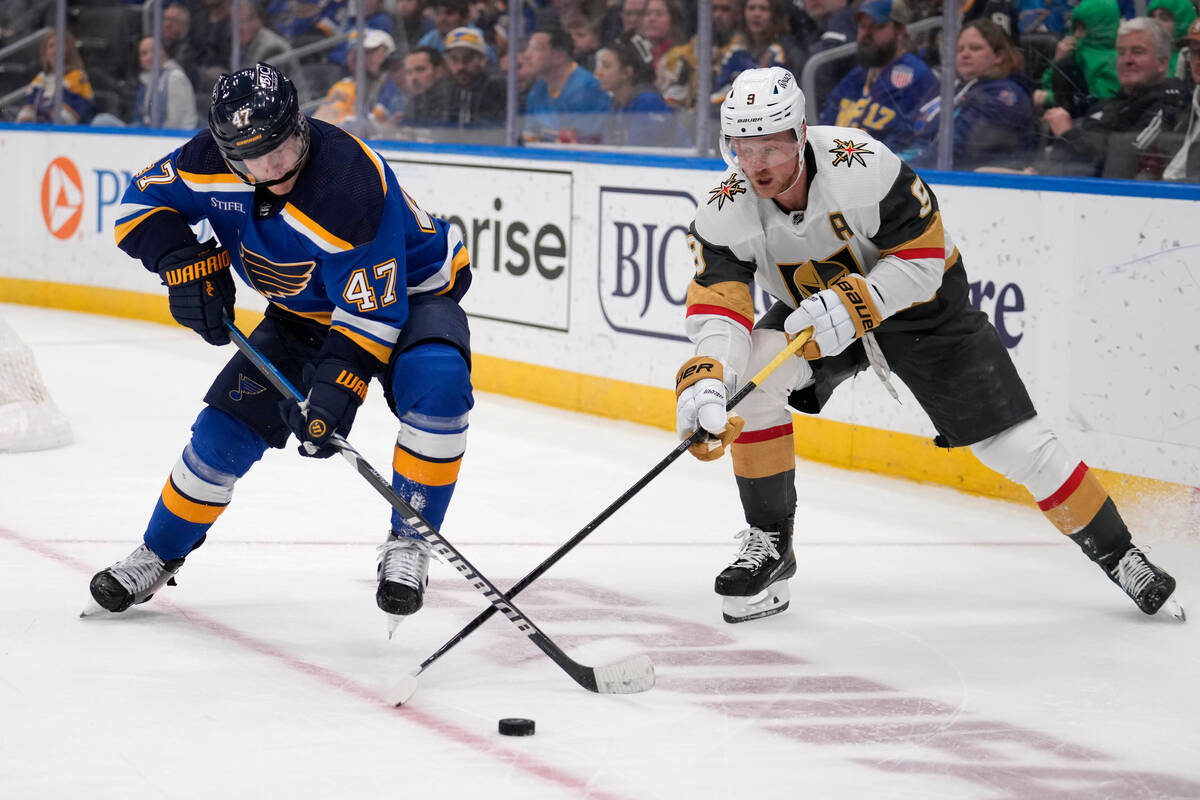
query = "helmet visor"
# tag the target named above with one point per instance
(278, 164)
(753, 153)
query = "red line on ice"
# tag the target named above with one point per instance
(338, 681)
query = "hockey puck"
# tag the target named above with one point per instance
(516, 726)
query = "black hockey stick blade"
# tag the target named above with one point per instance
(632, 675)
(697, 436)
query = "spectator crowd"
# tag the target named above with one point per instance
(1060, 87)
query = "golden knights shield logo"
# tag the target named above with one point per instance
(729, 188)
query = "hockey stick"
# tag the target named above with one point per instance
(628, 676)
(696, 437)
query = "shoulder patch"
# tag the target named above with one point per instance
(729, 188)
(902, 76)
(849, 152)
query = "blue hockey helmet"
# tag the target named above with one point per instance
(254, 111)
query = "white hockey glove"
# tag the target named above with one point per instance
(838, 315)
(700, 403)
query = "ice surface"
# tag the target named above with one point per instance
(938, 645)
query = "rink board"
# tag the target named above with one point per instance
(581, 268)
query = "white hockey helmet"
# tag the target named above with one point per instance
(761, 102)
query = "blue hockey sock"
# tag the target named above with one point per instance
(432, 387)
(200, 486)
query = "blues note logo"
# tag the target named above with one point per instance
(246, 387)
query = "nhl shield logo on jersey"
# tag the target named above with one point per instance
(902, 76)
(849, 153)
(729, 188)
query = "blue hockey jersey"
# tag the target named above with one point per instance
(346, 247)
(887, 107)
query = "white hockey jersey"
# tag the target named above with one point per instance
(868, 213)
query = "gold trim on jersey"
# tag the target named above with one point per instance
(319, 236)
(382, 352)
(320, 317)
(731, 296)
(211, 179)
(461, 259)
(125, 228)
(933, 237)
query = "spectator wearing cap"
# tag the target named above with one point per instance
(639, 116)
(384, 100)
(1118, 137)
(1185, 164)
(429, 88)
(376, 18)
(884, 92)
(448, 15)
(480, 95)
(566, 103)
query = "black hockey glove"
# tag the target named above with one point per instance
(337, 379)
(199, 288)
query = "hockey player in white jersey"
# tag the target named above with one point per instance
(849, 241)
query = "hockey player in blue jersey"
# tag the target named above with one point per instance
(361, 283)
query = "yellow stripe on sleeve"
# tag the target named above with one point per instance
(461, 259)
(216, 178)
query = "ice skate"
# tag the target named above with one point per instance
(1146, 584)
(131, 580)
(403, 572)
(754, 585)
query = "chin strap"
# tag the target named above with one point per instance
(799, 166)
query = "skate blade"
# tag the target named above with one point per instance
(773, 600)
(1174, 609)
(92, 609)
(393, 622)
